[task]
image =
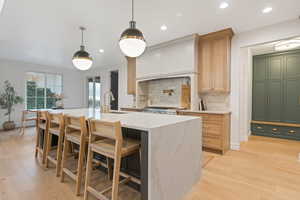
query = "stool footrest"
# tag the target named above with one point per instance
(122, 174)
(69, 173)
(52, 160)
(96, 193)
(100, 194)
(124, 181)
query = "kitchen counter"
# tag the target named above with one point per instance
(182, 110)
(170, 149)
(206, 111)
(134, 120)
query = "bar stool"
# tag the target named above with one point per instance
(112, 145)
(56, 127)
(75, 133)
(26, 117)
(41, 134)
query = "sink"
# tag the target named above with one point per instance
(117, 112)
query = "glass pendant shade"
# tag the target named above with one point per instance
(82, 60)
(132, 42)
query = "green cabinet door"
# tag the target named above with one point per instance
(274, 88)
(291, 104)
(259, 88)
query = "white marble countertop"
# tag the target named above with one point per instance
(134, 120)
(207, 111)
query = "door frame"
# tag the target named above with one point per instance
(246, 90)
(94, 90)
(115, 70)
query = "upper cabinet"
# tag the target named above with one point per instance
(131, 75)
(214, 52)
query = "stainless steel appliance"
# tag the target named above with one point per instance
(161, 110)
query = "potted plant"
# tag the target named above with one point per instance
(8, 99)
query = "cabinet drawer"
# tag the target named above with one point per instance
(212, 142)
(212, 131)
(291, 133)
(214, 134)
(213, 119)
(259, 128)
(285, 132)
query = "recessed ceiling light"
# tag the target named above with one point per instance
(101, 50)
(163, 28)
(267, 9)
(224, 5)
(179, 14)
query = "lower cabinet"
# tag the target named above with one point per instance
(216, 130)
(278, 130)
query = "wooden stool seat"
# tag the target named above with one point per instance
(75, 136)
(54, 130)
(27, 118)
(42, 126)
(107, 147)
(75, 133)
(31, 119)
(55, 127)
(106, 139)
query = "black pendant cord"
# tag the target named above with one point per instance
(81, 37)
(82, 41)
(132, 10)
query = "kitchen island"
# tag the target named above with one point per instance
(171, 150)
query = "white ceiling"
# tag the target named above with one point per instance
(46, 31)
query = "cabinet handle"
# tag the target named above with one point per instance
(274, 129)
(299, 100)
(292, 132)
(259, 127)
(268, 99)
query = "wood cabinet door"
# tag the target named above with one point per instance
(205, 66)
(275, 88)
(259, 97)
(131, 75)
(291, 105)
(220, 64)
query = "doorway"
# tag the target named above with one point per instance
(269, 93)
(94, 92)
(114, 87)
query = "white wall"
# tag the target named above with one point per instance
(240, 77)
(169, 58)
(124, 100)
(15, 72)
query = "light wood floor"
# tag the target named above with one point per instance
(264, 169)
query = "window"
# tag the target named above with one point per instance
(42, 90)
(94, 92)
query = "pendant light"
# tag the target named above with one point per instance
(132, 42)
(81, 59)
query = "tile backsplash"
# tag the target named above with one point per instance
(161, 92)
(216, 102)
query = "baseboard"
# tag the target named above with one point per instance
(235, 146)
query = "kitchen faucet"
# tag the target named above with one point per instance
(108, 97)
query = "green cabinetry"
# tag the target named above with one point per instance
(276, 92)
